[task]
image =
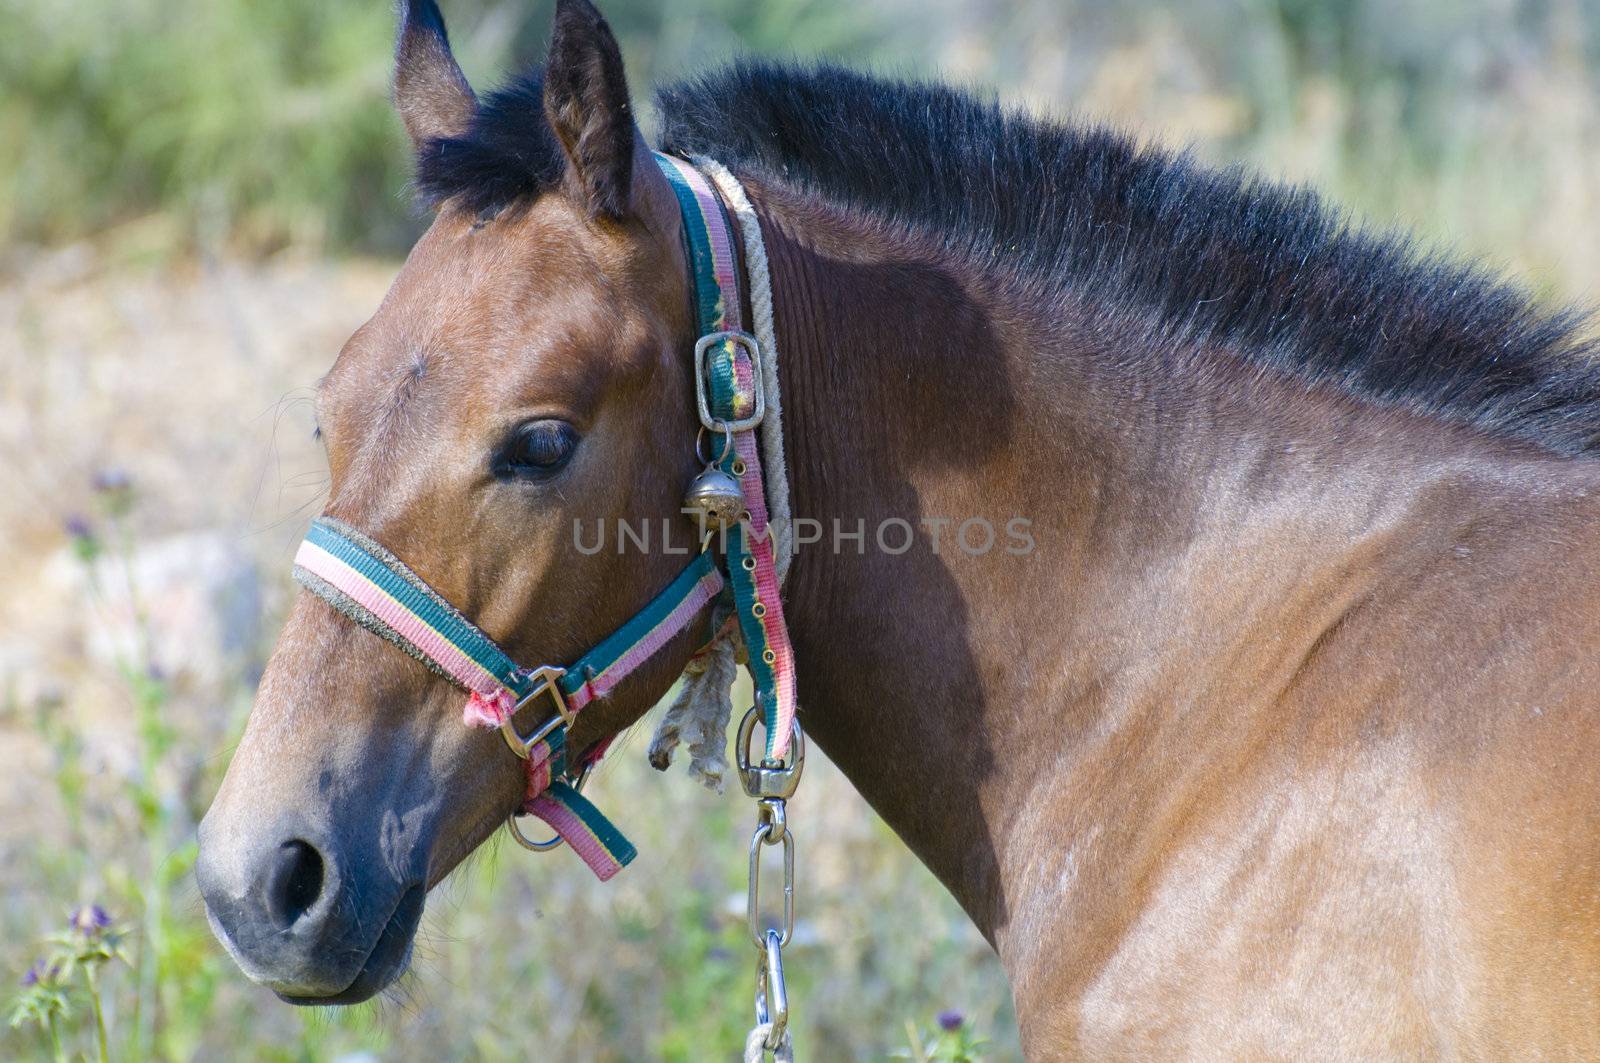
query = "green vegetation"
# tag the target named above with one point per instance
(258, 125)
(263, 124)
(265, 120)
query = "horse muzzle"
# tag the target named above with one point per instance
(311, 926)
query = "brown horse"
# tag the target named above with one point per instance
(1282, 741)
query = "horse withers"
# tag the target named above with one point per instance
(1280, 739)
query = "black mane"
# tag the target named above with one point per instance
(1198, 254)
(510, 154)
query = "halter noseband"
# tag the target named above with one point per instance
(364, 581)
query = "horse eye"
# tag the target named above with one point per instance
(537, 448)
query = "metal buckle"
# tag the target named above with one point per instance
(768, 778)
(546, 677)
(701, 387)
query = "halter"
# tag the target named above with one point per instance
(361, 579)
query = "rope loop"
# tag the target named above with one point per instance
(755, 1046)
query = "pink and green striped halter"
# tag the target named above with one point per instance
(364, 581)
(377, 590)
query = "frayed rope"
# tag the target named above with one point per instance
(701, 712)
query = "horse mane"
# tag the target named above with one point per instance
(509, 154)
(1195, 254)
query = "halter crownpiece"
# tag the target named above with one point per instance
(361, 579)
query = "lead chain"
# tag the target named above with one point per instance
(771, 783)
(772, 993)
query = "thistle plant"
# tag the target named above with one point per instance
(103, 545)
(44, 1003)
(953, 1040)
(49, 989)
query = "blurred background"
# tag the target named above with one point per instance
(199, 201)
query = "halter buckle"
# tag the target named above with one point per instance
(702, 386)
(546, 679)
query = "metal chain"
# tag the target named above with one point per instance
(771, 783)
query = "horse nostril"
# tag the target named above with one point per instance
(294, 882)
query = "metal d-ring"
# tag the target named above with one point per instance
(727, 447)
(553, 842)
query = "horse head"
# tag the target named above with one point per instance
(525, 372)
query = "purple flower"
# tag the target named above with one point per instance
(90, 920)
(950, 1020)
(112, 480)
(78, 527)
(84, 544)
(41, 972)
(115, 488)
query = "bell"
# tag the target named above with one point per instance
(714, 498)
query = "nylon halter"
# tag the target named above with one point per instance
(361, 579)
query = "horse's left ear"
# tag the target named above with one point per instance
(586, 103)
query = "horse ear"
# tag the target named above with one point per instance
(430, 92)
(586, 103)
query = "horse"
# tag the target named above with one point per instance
(1280, 739)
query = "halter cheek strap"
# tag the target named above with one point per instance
(729, 373)
(371, 586)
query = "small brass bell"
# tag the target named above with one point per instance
(714, 498)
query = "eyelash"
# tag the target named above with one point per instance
(549, 443)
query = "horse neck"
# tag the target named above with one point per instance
(915, 616)
(1010, 714)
